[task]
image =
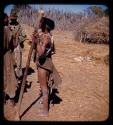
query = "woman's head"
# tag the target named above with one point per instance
(46, 24)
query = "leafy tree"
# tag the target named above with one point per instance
(96, 11)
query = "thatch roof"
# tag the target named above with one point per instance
(102, 25)
(96, 32)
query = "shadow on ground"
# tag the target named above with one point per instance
(30, 71)
(54, 98)
(27, 85)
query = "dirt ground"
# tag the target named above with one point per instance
(84, 93)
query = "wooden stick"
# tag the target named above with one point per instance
(17, 117)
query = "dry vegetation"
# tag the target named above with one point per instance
(92, 29)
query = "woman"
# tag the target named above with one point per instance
(44, 63)
(10, 81)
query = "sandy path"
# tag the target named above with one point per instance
(85, 85)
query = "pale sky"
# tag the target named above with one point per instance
(65, 7)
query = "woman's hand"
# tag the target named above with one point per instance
(35, 34)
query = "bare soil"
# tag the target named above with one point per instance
(84, 93)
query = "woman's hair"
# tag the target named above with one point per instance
(47, 23)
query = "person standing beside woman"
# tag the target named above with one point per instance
(18, 37)
(14, 37)
(10, 81)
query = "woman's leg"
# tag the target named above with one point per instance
(42, 76)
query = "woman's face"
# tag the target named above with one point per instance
(42, 26)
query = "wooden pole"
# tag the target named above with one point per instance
(17, 117)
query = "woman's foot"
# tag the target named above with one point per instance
(43, 113)
(44, 102)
